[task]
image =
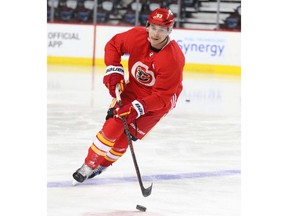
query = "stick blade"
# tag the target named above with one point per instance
(147, 191)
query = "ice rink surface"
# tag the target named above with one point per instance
(193, 156)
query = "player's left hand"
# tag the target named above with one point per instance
(131, 111)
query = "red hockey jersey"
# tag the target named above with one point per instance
(154, 77)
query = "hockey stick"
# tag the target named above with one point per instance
(145, 191)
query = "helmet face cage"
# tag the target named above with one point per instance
(162, 17)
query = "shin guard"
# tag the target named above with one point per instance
(116, 151)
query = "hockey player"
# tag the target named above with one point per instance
(155, 81)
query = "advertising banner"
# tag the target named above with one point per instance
(70, 40)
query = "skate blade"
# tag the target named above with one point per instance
(74, 183)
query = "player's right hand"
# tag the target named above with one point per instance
(113, 76)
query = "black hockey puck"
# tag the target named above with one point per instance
(141, 208)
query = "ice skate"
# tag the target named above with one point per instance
(97, 171)
(85, 172)
(82, 174)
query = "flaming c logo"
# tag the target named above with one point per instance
(142, 74)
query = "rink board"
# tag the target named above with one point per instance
(83, 45)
